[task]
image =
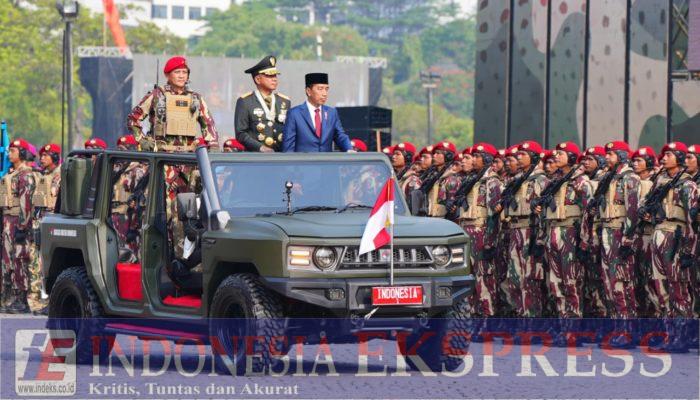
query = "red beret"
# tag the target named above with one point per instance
(595, 151)
(569, 147)
(95, 143)
(388, 150)
(22, 144)
(675, 146)
(50, 148)
(175, 63)
(501, 153)
(233, 144)
(485, 148)
(618, 146)
(694, 149)
(512, 151)
(547, 155)
(406, 146)
(445, 146)
(358, 144)
(531, 146)
(644, 151)
(127, 140)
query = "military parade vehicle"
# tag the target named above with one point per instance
(276, 238)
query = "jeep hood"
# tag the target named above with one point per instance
(352, 224)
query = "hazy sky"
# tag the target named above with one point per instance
(468, 6)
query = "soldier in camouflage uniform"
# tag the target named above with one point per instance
(177, 115)
(401, 159)
(128, 197)
(460, 170)
(691, 162)
(618, 216)
(549, 164)
(510, 170)
(525, 275)
(261, 114)
(48, 182)
(17, 226)
(649, 288)
(475, 217)
(595, 303)
(562, 216)
(425, 158)
(443, 155)
(674, 241)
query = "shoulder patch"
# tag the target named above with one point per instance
(283, 96)
(243, 96)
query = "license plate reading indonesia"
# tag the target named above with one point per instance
(397, 295)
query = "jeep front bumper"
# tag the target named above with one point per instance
(438, 292)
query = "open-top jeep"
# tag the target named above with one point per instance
(276, 238)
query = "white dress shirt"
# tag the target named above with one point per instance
(312, 112)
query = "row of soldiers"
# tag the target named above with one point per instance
(606, 232)
(27, 192)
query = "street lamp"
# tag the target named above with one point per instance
(68, 9)
(430, 82)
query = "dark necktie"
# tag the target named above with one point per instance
(268, 101)
(317, 121)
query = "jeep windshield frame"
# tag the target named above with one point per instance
(254, 184)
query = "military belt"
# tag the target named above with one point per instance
(172, 148)
(670, 225)
(11, 211)
(479, 222)
(567, 222)
(519, 222)
(615, 223)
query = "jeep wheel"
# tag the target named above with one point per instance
(74, 306)
(243, 308)
(456, 323)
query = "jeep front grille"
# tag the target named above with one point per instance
(404, 257)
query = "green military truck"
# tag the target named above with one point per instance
(277, 238)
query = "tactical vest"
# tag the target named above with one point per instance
(476, 214)
(674, 210)
(614, 207)
(120, 194)
(180, 119)
(436, 209)
(522, 203)
(6, 199)
(563, 211)
(43, 194)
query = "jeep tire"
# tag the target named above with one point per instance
(74, 305)
(243, 307)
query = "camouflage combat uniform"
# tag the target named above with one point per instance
(48, 183)
(18, 217)
(525, 274)
(8, 237)
(125, 203)
(618, 216)
(595, 304)
(435, 209)
(448, 187)
(482, 231)
(651, 288)
(408, 182)
(176, 121)
(667, 246)
(502, 257)
(565, 277)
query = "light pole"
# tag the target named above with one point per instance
(68, 9)
(430, 82)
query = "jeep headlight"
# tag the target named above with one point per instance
(441, 256)
(325, 258)
(299, 257)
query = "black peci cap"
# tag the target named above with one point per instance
(316, 77)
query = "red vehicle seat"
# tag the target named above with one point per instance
(129, 281)
(190, 300)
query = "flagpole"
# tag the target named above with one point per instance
(391, 235)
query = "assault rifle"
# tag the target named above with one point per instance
(545, 200)
(419, 203)
(653, 199)
(600, 192)
(512, 188)
(460, 200)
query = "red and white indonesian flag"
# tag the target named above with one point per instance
(376, 233)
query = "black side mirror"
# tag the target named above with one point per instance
(187, 206)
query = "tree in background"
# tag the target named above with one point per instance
(31, 54)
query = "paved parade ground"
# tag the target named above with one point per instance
(137, 370)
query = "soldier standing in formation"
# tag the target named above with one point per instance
(261, 114)
(48, 182)
(17, 227)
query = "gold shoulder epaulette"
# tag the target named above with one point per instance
(283, 96)
(243, 96)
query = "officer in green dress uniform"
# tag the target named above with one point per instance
(260, 114)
